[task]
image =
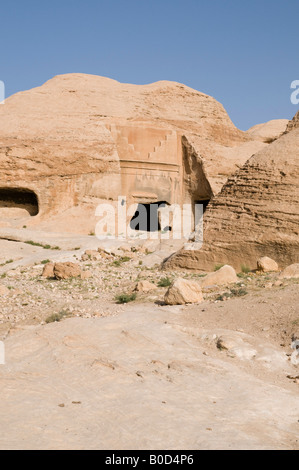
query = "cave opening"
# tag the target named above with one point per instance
(147, 218)
(18, 202)
(204, 203)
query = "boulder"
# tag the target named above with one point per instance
(183, 291)
(48, 270)
(223, 276)
(92, 255)
(291, 271)
(66, 270)
(145, 286)
(266, 264)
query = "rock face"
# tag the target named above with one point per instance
(182, 292)
(66, 270)
(266, 264)
(294, 123)
(80, 140)
(256, 213)
(223, 276)
(269, 131)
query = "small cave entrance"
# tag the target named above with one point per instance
(147, 218)
(18, 202)
(203, 202)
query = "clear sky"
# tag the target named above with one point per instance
(242, 52)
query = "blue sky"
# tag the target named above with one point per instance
(242, 52)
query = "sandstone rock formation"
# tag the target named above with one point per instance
(291, 271)
(256, 213)
(223, 276)
(183, 291)
(80, 140)
(66, 270)
(48, 270)
(294, 123)
(269, 131)
(145, 286)
(266, 264)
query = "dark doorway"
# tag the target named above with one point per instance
(19, 198)
(146, 218)
(204, 203)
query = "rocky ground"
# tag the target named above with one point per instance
(96, 373)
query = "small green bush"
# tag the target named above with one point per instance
(118, 262)
(125, 298)
(124, 259)
(164, 282)
(218, 266)
(46, 247)
(232, 293)
(239, 292)
(245, 269)
(56, 317)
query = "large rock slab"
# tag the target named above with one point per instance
(183, 291)
(223, 276)
(256, 213)
(291, 271)
(102, 371)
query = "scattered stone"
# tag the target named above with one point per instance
(266, 264)
(66, 270)
(226, 342)
(182, 292)
(124, 248)
(235, 347)
(86, 275)
(268, 285)
(48, 270)
(4, 290)
(291, 271)
(105, 254)
(223, 276)
(145, 286)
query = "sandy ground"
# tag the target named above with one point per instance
(143, 375)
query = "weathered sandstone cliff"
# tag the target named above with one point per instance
(255, 214)
(80, 139)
